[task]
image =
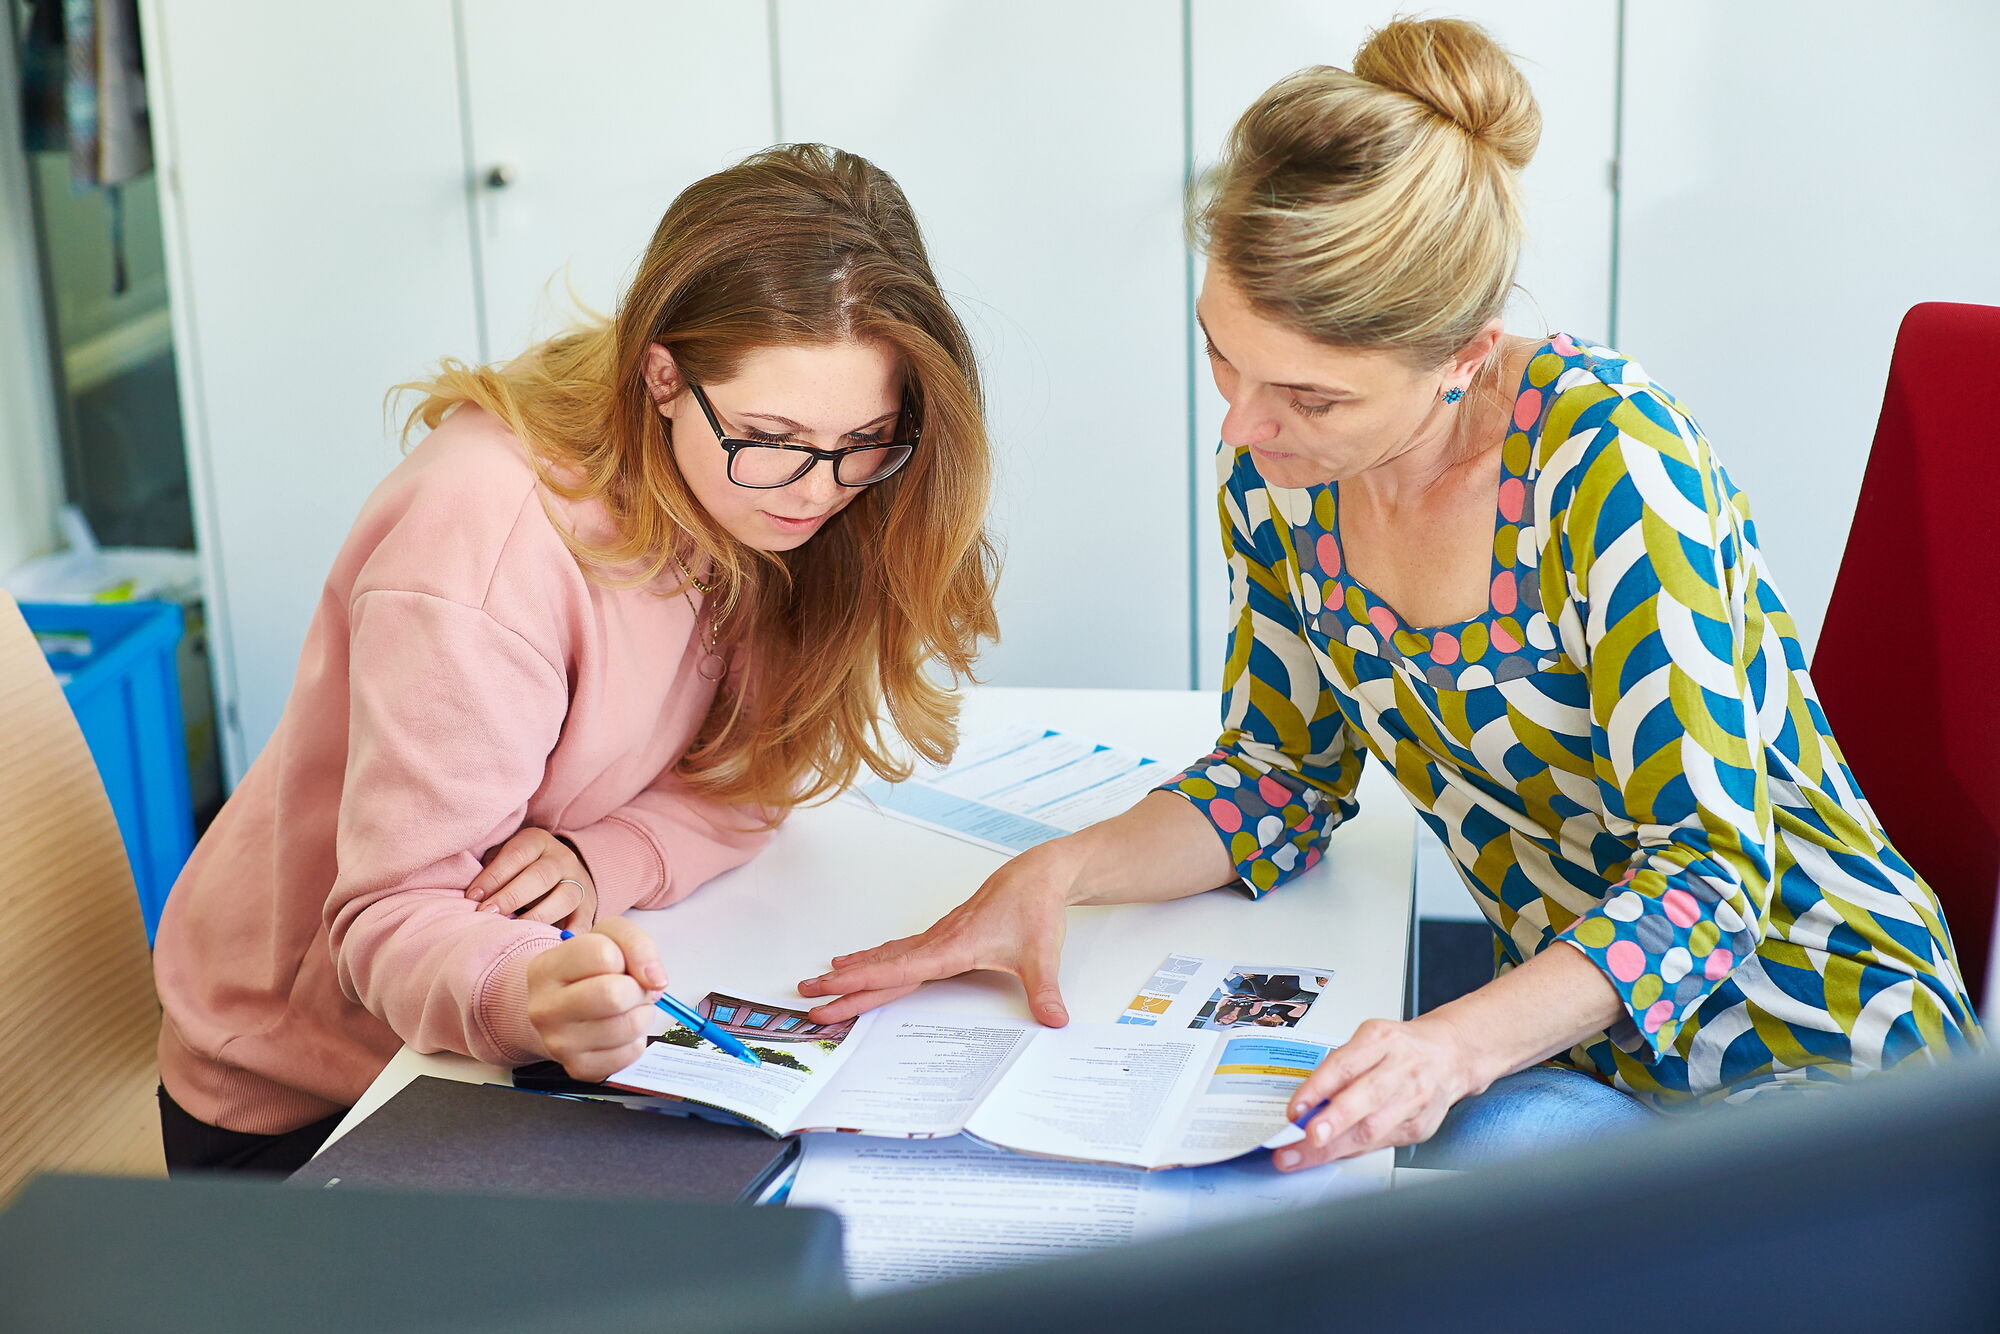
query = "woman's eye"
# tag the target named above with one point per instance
(763, 439)
(1311, 409)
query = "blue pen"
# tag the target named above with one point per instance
(690, 1018)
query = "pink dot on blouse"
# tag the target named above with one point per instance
(1562, 346)
(1503, 641)
(1444, 648)
(1658, 1013)
(1383, 620)
(1527, 407)
(1718, 965)
(1228, 816)
(1681, 908)
(1328, 551)
(1312, 857)
(1627, 960)
(1512, 491)
(1274, 792)
(1505, 598)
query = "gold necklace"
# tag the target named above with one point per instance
(688, 574)
(713, 666)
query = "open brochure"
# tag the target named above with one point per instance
(1091, 1092)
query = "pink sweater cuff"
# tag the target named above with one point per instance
(623, 862)
(501, 1012)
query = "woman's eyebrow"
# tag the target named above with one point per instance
(791, 425)
(1321, 390)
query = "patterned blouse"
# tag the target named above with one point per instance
(1623, 753)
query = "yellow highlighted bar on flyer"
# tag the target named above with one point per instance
(1262, 1070)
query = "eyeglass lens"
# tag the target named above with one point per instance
(754, 466)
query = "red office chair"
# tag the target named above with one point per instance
(1907, 659)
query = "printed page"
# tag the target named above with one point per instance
(1099, 1092)
(1019, 786)
(799, 1056)
(919, 1074)
(918, 1212)
(1219, 992)
(1241, 1104)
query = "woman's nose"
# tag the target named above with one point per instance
(818, 489)
(1245, 424)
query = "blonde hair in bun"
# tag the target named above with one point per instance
(1380, 208)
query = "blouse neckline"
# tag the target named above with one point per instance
(1512, 637)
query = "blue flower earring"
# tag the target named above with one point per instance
(1453, 394)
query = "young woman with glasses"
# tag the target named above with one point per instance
(637, 593)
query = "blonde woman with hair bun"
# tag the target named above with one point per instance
(635, 595)
(1513, 571)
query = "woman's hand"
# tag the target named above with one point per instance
(1013, 924)
(591, 998)
(537, 877)
(1391, 1085)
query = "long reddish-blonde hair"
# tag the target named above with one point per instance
(797, 245)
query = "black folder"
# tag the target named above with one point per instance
(440, 1134)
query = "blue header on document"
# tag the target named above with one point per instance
(1014, 788)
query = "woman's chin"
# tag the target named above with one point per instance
(1290, 470)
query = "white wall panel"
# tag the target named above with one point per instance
(1041, 145)
(1795, 178)
(1569, 55)
(318, 253)
(600, 116)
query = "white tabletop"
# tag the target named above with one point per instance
(841, 877)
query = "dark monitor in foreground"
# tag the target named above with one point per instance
(1867, 1207)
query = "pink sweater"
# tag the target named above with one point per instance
(461, 679)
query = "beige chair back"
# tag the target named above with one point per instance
(78, 1017)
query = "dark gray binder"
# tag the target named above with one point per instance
(440, 1134)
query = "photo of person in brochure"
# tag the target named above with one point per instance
(1251, 998)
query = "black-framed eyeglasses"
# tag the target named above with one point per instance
(764, 465)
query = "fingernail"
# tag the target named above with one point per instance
(475, 894)
(1288, 1159)
(657, 976)
(1322, 1133)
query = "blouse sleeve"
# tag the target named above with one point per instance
(1284, 770)
(1659, 580)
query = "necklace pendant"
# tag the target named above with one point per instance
(712, 667)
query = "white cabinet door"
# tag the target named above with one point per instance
(1568, 53)
(318, 253)
(595, 116)
(1041, 145)
(1796, 178)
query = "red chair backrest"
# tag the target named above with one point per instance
(1907, 659)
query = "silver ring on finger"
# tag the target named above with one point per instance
(567, 881)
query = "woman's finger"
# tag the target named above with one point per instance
(538, 879)
(882, 951)
(856, 1002)
(906, 970)
(617, 1031)
(554, 906)
(1039, 978)
(516, 855)
(1341, 1067)
(1352, 1104)
(641, 956)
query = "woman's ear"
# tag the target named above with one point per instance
(663, 377)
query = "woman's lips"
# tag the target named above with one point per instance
(791, 525)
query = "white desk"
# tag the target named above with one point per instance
(841, 877)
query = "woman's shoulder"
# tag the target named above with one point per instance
(1590, 417)
(464, 512)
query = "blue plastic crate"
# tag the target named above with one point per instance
(116, 665)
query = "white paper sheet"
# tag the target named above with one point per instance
(920, 1211)
(1020, 786)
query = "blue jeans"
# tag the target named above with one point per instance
(1539, 1109)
